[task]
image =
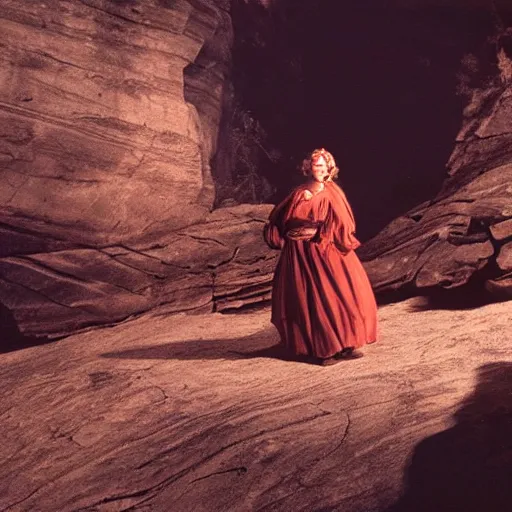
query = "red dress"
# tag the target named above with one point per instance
(322, 300)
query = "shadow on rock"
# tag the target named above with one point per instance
(10, 336)
(456, 299)
(469, 466)
(260, 344)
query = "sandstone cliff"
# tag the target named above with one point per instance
(109, 113)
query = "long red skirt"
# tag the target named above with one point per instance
(322, 300)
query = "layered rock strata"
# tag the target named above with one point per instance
(109, 113)
(467, 227)
(220, 264)
(98, 143)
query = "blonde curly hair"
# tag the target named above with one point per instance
(329, 160)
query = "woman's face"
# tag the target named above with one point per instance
(319, 169)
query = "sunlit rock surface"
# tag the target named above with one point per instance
(467, 227)
(184, 413)
(109, 113)
(98, 142)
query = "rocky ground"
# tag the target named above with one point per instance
(185, 413)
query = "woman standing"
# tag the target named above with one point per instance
(322, 301)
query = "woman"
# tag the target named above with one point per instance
(322, 301)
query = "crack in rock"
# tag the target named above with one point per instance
(202, 238)
(158, 487)
(225, 262)
(241, 470)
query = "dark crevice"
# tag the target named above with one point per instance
(10, 336)
(370, 82)
(241, 470)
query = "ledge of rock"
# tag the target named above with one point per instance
(217, 265)
(109, 114)
(468, 226)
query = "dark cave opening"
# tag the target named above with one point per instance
(381, 87)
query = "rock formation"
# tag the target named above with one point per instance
(217, 265)
(468, 226)
(109, 118)
(98, 142)
(185, 413)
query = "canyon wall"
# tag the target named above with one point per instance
(109, 112)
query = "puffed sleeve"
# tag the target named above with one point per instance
(339, 225)
(273, 231)
(272, 236)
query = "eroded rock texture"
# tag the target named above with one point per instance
(109, 112)
(468, 226)
(183, 414)
(217, 265)
(98, 142)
